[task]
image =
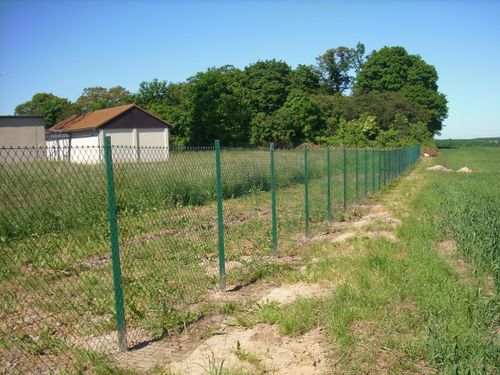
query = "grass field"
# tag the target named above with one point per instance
(56, 268)
(423, 301)
(470, 206)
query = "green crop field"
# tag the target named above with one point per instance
(470, 205)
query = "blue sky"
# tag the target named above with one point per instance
(63, 46)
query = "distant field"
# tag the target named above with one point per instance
(480, 159)
(476, 142)
(470, 204)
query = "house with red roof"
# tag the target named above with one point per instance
(135, 135)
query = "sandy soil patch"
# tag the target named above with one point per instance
(172, 348)
(345, 236)
(465, 170)
(235, 293)
(372, 218)
(288, 293)
(439, 168)
(270, 352)
(372, 215)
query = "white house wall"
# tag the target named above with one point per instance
(84, 148)
(129, 145)
(80, 148)
(58, 149)
(152, 144)
(124, 144)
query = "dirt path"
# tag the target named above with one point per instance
(218, 340)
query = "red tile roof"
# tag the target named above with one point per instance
(96, 119)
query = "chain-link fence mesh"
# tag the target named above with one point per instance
(55, 274)
(71, 294)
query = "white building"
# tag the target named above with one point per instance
(22, 138)
(135, 135)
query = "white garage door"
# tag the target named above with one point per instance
(121, 137)
(151, 137)
(152, 144)
(122, 142)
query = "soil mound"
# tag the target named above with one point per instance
(464, 170)
(439, 168)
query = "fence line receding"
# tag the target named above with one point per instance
(103, 251)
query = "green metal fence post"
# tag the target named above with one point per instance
(390, 166)
(383, 169)
(274, 228)
(306, 191)
(115, 251)
(386, 159)
(328, 186)
(379, 152)
(398, 162)
(366, 172)
(357, 174)
(373, 170)
(406, 157)
(220, 219)
(400, 170)
(393, 164)
(345, 178)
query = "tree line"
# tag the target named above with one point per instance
(388, 98)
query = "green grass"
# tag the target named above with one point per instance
(480, 159)
(55, 263)
(407, 296)
(470, 206)
(475, 142)
(46, 197)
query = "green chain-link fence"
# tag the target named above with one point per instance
(103, 249)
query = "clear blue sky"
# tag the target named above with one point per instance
(63, 46)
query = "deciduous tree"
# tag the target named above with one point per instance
(393, 69)
(298, 120)
(337, 68)
(218, 107)
(51, 107)
(268, 84)
(95, 98)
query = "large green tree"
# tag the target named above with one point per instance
(95, 98)
(337, 67)
(218, 107)
(393, 69)
(152, 92)
(385, 106)
(305, 78)
(51, 107)
(299, 120)
(268, 84)
(346, 98)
